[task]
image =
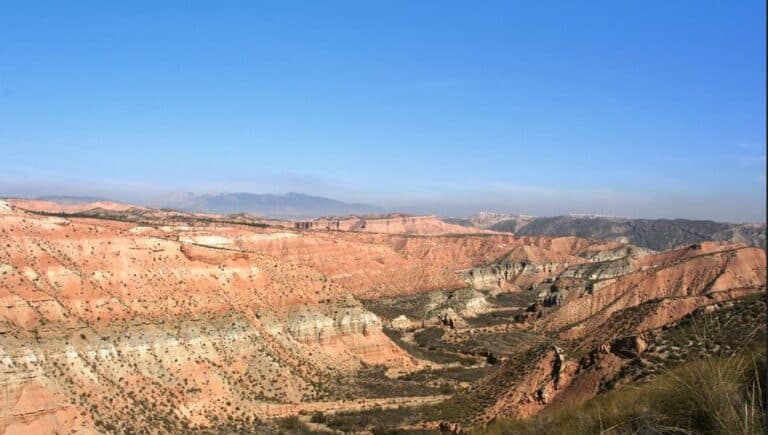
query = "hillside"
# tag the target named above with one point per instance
(656, 234)
(116, 318)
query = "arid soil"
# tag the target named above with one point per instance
(117, 319)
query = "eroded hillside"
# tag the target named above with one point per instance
(115, 318)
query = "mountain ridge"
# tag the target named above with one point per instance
(272, 205)
(656, 234)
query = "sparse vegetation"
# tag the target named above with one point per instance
(717, 395)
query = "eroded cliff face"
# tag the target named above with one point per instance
(219, 320)
(376, 265)
(117, 318)
(549, 376)
(534, 260)
(103, 321)
(346, 327)
(608, 313)
(691, 274)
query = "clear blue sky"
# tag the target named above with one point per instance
(633, 108)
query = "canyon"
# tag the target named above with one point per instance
(123, 319)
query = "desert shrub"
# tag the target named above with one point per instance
(446, 388)
(292, 423)
(318, 417)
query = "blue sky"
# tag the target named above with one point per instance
(653, 109)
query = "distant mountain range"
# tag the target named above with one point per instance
(288, 206)
(63, 199)
(656, 234)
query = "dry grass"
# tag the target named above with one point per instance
(713, 395)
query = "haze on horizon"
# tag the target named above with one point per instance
(648, 109)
